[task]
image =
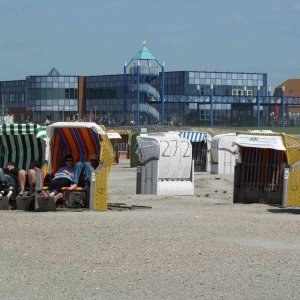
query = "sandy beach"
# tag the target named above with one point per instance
(189, 247)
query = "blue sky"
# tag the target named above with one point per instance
(95, 37)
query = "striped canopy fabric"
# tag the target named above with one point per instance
(80, 142)
(194, 136)
(22, 144)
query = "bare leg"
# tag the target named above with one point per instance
(31, 179)
(9, 195)
(10, 204)
(22, 180)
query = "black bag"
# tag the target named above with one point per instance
(75, 199)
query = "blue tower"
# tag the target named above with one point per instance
(139, 92)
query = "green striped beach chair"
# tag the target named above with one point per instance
(22, 144)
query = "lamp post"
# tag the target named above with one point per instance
(138, 95)
(198, 104)
(258, 106)
(269, 101)
(33, 109)
(211, 106)
(244, 99)
(125, 94)
(282, 106)
(3, 110)
(95, 115)
(163, 94)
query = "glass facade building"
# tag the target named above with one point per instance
(40, 97)
(13, 97)
(102, 98)
(52, 96)
(183, 91)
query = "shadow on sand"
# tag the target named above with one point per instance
(295, 211)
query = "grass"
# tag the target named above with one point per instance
(222, 129)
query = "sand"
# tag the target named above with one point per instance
(196, 247)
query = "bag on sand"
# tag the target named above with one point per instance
(75, 199)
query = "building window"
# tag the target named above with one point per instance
(240, 92)
(67, 93)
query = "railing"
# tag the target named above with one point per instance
(144, 107)
(144, 70)
(263, 100)
(146, 88)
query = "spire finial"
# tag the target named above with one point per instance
(144, 42)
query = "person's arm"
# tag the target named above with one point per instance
(69, 173)
(72, 173)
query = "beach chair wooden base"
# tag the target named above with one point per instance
(4, 203)
(20, 203)
(273, 197)
(246, 195)
(25, 203)
(46, 204)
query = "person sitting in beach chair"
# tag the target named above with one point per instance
(28, 178)
(9, 182)
(66, 176)
(89, 166)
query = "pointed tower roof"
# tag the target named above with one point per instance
(53, 72)
(144, 54)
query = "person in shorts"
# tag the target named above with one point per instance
(66, 176)
(28, 178)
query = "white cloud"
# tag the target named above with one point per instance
(275, 8)
(233, 18)
(20, 45)
(297, 7)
